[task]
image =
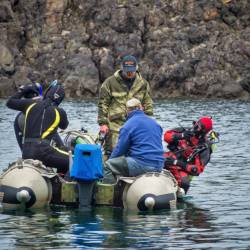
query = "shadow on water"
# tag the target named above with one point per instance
(106, 227)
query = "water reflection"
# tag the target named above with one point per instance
(198, 224)
(99, 227)
(107, 227)
(88, 229)
(31, 230)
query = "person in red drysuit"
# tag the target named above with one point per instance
(190, 151)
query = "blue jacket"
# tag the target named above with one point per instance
(141, 138)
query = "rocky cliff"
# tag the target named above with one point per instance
(185, 47)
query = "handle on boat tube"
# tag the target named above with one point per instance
(17, 196)
(155, 202)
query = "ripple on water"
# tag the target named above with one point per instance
(215, 214)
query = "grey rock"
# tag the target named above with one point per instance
(6, 86)
(245, 83)
(6, 13)
(83, 78)
(7, 65)
(184, 48)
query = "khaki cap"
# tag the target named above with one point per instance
(132, 103)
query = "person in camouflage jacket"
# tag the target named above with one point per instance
(115, 91)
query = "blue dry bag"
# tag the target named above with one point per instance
(87, 163)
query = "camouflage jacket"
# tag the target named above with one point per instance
(114, 93)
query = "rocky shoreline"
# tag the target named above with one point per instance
(187, 48)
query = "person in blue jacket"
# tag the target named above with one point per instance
(139, 148)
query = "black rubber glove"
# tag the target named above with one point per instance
(181, 164)
(187, 134)
(29, 89)
(169, 161)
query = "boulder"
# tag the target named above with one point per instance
(6, 13)
(6, 86)
(7, 65)
(83, 78)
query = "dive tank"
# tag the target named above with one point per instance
(150, 191)
(74, 137)
(26, 184)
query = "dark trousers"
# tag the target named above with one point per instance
(48, 155)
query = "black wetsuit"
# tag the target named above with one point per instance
(42, 121)
(19, 126)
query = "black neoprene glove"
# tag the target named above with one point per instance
(187, 134)
(169, 161)
(181, 164)
(29, 89)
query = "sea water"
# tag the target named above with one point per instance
(215, 214)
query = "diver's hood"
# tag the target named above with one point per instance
(55, 94)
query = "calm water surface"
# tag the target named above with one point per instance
(215, 215)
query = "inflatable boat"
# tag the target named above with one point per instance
(30, 184)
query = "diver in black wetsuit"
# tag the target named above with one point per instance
(42, 120)
(33, 91)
